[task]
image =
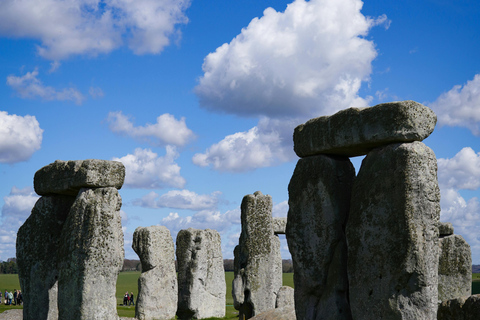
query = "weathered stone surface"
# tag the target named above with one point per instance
(454, 268)
(38, 241)
(285, 297)
(462, 308)
(279, 225)
(201, 277)
(445, 229)
(283, 313)
(157, 285)
(354, 132)
(257, 263)
(91, 256)
(68, 177)
(392, 235)
(319, 200)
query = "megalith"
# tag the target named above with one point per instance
(157, 284)
(91, 256)
(201, 276)
(257, 263)
(461, 308)
(319, 202)
(392, 234)
(38, 241)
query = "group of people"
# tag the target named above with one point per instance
(128, 299)
(12, 298)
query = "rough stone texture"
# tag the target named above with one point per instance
(283, 313)
(463, 308)
(38, 241)
(279, 225)
(68, 177)
(285, 297)
(454, 268)
(319, 200)
(91, 256)
(157, 285)
(354, 132)
(257, 263)
(201, 277)
(445, 229)
(392, 235)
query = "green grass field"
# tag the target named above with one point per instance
(127, 281)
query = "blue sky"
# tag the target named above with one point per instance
(199, 98)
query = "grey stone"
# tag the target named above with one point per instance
(454, 268)
(91, 256)
(283, 313)
(38, 241)
(445, 229)
(354, 132)
(201, 277)
(257, 263)
(462, 308)
(392, 235)
(68, 177)
(285, 297)
(319, 201)
(279, 225)
(157, 285)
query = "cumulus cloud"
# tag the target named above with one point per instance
(167, 129)
(460, 106)
(29, 86)
(309, 60)
(267, 144)
(92, 27)
(20, 137)
(145, 169)
(280, 209)
(179, 199)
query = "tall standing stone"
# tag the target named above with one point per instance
(91, 256)
(319, 201)
(392, 235)
(157, 285)
(38, 241)
(201, 276)
(258, 263)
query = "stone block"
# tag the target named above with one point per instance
(462, 308)
(445, 229)
(285, 297)
(279, 225)
(283, 313)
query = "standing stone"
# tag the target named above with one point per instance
(319, 200)
(91, 256)
(38, 241)
(201, 277)
(454, 268)
(157, 285)
(392, 235)
(258, 263)
(285, 297)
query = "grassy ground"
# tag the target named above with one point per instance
(127, 281)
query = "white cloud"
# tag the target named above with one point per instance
(96, 92)
(167, 129)
(29, 86)
(20, 137)
(280, 209)
(267, 144)
(93, 27)
(145, 169)
(460, 172)
(307, 61)
(460, 106)
(179, 199)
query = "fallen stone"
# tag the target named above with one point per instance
(285, 297)
(462, 308)
(68, 177)
(257, 263)
(91, 256)
(279, 225)
(283, 313)
(445, 229)
(392, 235)
(201, 277)
(319, 201)
(157, 285)
(454, 268)
(38, 241)
(354, 132)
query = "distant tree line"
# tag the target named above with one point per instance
(9, 266)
